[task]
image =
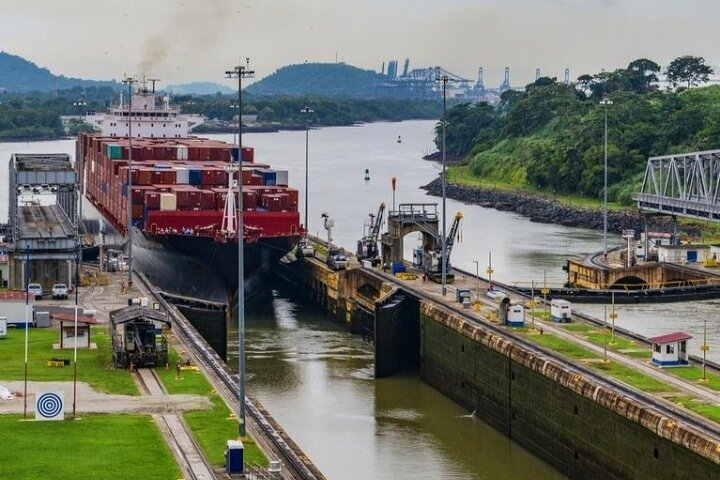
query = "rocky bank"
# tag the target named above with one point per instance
(543, 210)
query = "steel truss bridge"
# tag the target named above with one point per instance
(685, 184)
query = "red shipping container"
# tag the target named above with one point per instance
(249, 200)
(169, 177)
(294, 195)
(246, 177)
(248, 154)
(207, 199)
(138, 194)
(152, 200)
(255, 179)
(220, 197)
(145, 177)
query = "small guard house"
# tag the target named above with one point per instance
(670, 350)
(68, 339)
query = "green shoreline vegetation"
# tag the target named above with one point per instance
(549, 138)
(36, 115)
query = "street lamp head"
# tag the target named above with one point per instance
(606, 101)
(307, 110)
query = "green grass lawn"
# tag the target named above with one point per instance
(212, 428)
(576, 327)
(711, 412)
(632, 377)
(94, 366)
(563, 346)
(98, 447)
(694, 373)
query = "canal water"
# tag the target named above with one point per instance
(317, 379)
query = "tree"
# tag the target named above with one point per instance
(688, 69)
(643, 74)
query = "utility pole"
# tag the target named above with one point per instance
(129, 81)
(307, 111)
(240, 72)
(606, 102)
(444, 79)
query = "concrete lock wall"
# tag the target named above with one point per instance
(585, 431)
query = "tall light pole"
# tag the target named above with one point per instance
(307, 111)
(240, 72)
(605, 102)
(444, 79)
(129, 81)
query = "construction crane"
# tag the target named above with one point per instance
(433, 260)
(367, 248)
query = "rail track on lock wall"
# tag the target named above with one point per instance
(260, 424)
(182, 443)
(705, 427)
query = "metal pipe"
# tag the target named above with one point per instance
(605, 103)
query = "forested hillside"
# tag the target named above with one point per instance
(551, 136)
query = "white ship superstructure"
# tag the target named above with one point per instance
(150, 118)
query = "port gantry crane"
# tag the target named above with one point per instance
(433, 261)
(367, 248)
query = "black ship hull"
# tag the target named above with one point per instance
(201, 269)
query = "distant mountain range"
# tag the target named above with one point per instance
(321, 79)
(20, 75)
(198, 88)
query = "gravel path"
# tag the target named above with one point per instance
(91, 401)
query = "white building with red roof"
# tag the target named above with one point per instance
(670, 350)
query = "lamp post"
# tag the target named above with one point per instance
(444, 79)
(240, 72)
(477, 279)
(307, 111)
(605, 102)
(129, 81)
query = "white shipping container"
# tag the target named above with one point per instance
(3, 327)
(282, 178)
(561, 310)
(168, 202)
(183, 176)
(182, 152)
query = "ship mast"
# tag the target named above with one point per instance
(229, 220)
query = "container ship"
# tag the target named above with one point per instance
(183, 220)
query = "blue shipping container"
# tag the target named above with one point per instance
(235, 153)
(195, 177)
(269, 177)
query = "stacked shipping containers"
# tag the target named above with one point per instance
(170, 176)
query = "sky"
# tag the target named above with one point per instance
(198, 40)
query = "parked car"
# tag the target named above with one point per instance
(60, 290)
(36, 290)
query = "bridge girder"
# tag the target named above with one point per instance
(686, 184)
